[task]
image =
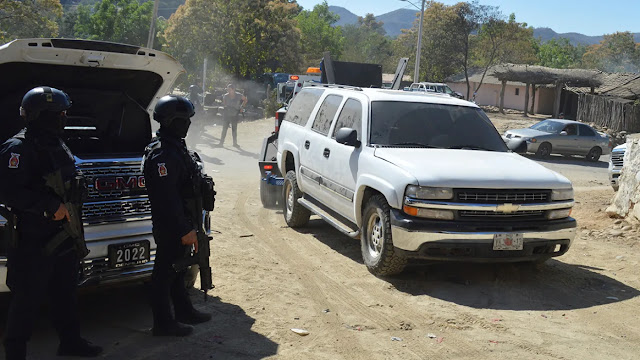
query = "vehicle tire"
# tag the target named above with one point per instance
(594, 154)
(268, 194)
(544, 150)
(295, 214)
(378, 252)
(190, 276)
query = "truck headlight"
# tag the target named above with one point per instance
(558, 214)
(562, 194)
(429, 193)
(428, 213)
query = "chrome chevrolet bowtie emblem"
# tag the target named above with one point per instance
(507, 208)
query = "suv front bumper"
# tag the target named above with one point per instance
(473, 241)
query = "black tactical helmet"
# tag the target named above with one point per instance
(43, 98)
(172, 107)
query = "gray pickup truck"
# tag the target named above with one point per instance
(113, 88)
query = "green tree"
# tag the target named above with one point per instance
(616, 52)
(560, 54)
(29, 18)
(243, 38)
(367, 43)
(318, 34)
(500, 41)
(124, 21)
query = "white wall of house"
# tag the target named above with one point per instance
(489, 94)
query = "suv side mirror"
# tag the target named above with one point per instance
(563, 133)
(347, 136)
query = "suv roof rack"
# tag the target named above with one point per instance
(315, 84)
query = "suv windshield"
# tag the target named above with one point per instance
(549, 126)
(395, 123)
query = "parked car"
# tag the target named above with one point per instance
(435, 87)
(559, 136)
(114, 88)
(616, 162)
(417, 177)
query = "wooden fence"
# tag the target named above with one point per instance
(615, 113)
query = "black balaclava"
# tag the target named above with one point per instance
(178, 127)
(48, 123)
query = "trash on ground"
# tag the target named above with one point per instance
(246, 235)
(393, 338)
(300, 332)
(325, 311)
(432, 336)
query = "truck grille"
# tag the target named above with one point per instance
(617, 159)
(117, 182)
(116, 191)
(488, 196)
(116, 210)
(491, 215)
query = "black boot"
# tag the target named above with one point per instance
(174, 329)
(192, 316)
(15, 350)
(79, 347)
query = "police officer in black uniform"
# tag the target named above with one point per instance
(35, 269)
(169, 172)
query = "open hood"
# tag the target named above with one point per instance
(113, 87)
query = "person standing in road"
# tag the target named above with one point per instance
(170, 172)
(43, 255)
(233, 104)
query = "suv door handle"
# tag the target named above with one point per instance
(326, 152)
(307, 144)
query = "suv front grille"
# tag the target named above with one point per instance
(491, 215)
(617, 159)
(489, 196)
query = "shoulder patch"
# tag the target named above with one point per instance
(14, 161)
(162, 169)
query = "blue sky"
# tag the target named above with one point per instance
(589, 17)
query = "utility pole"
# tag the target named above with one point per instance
(152, 29)
(416, 76)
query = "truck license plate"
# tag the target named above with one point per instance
(509, 241)
(128, 254)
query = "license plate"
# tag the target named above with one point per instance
(128, 254)
(510, 241)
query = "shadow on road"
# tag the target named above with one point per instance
(119, 319)
(553, 285)
(572, 160)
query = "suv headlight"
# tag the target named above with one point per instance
(429, 193)
(562, 194)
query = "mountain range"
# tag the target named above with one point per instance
(397, 20)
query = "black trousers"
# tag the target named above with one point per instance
(32, 278)
(226, 121)
(167, 285)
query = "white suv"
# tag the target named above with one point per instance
(417, 177)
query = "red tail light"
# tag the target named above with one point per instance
(277, 122)
(268, 167)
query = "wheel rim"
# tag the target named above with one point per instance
(375, 235)
(545, 150)
(593, 154)
(290, 200)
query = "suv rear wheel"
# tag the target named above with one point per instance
(378, 252)
(295, 214)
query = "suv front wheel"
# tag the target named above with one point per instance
(295, 214)
(378, 252)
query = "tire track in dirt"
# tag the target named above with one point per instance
(323, 290)
(461, 318)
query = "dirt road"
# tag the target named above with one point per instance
(270, 278)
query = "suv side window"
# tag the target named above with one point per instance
(302, 106)
(586, 131)
(326, 113)
(350, 117)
